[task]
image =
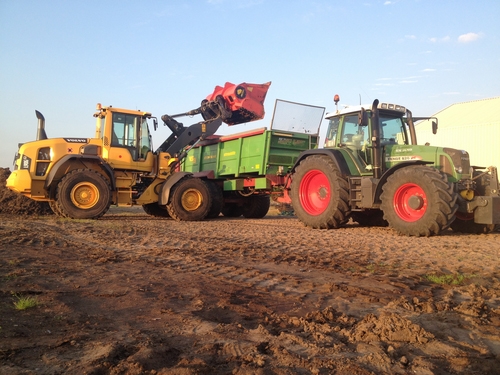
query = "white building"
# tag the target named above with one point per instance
(472, 126)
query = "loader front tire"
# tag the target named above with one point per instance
(83, 194)
(418, 201)
(190, 200)
(320, 194)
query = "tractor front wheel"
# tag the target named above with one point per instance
(82, 194)
(418, 201)
(319, 193)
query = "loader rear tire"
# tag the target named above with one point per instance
(83, 194)
(319, 193)
(418, 201)
(256, 206)
(190, 200)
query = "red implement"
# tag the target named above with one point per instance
(245, 101)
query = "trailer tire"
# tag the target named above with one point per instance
(256, 206)
(232, 210)
(319, 193)
(189, 200)
(217, 199)
(83, 194)
(418, 201)
(154, 209)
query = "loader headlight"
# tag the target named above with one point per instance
(25, 162)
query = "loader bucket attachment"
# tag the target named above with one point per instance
(243, 102)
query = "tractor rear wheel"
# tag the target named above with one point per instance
(418, 201)
(256, 206)
(189, 200)
(319, 193)
(83, 194)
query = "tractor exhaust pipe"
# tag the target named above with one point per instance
(41, 126)
(377, 150)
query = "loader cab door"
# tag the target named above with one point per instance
(130, 142)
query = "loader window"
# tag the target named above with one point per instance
(126, 132)
(145, 140)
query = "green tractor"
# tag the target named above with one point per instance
(372, 170)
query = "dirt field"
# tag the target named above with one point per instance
(132, 294)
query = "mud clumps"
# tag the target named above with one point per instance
(17, 204)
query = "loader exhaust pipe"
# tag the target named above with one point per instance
(40, 134)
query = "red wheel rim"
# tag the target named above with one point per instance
(410, 202)
(314, 191)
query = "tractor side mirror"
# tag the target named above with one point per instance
(363, 118)
(434, 127)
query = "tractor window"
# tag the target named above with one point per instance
(331, 133)
(353, 134)
(392, 131)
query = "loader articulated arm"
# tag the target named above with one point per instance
(231, 104)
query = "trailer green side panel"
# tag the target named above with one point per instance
(250, 154)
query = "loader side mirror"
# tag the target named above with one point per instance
(155, 123)
(363, 118)
(434, 127)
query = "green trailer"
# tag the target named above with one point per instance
(245, 170)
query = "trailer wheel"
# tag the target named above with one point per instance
(418, 201)
(83, 194)
(189, 200)
(232, 210)
(153, 209)
(319, 193)
(217, 199)
(256, 206)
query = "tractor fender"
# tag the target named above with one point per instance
(58, 168)
(334, 154)
(167, 185)
(390, 171)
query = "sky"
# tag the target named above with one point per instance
(63, 57)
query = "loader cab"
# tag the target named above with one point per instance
(126, 139)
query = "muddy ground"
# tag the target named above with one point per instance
(133, 294)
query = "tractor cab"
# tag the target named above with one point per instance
(352, 128)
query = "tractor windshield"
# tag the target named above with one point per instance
(392, 130)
